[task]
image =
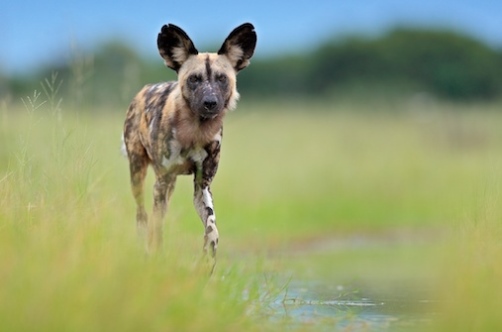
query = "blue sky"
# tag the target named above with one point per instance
(33, 33)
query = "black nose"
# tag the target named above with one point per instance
(210, 104)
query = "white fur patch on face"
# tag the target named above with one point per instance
(232, 103)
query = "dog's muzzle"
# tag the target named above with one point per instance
(210, 107)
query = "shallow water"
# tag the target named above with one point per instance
(328, 307)
(363, 283)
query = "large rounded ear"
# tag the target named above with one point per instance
(175, 46)
(239, 46)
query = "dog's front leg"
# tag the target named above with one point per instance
(203, 202)
(203, 199)
(162, 190)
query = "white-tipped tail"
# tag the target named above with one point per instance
(123, 149)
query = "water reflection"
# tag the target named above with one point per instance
(354, 307)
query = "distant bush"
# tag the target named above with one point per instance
(441, 63)
(446, 64)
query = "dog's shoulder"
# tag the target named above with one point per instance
(155, 94)
(151, 99)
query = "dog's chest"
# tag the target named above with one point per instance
(180, 160)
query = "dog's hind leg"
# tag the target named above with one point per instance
(138, 164)
(162, 190)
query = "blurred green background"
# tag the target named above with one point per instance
(335, 50)
(401, 63)
(359, 184)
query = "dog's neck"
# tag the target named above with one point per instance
(192, 131)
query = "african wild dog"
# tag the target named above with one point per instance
(177, 126)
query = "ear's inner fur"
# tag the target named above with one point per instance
(239, 46)
(175, 46)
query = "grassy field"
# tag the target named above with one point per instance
(298, 187)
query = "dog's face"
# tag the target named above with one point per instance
(208, 84)
(207, 80)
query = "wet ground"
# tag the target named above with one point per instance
(349, 307)
(378, 284)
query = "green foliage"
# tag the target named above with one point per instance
(445, 64)
(448, 64)
(401, 63)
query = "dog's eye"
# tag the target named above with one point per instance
(222, 78)
(194, 79)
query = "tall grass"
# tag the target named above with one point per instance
(70, 260)
(469, 286)
(290, 174)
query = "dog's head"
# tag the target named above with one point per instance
(207, 80)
